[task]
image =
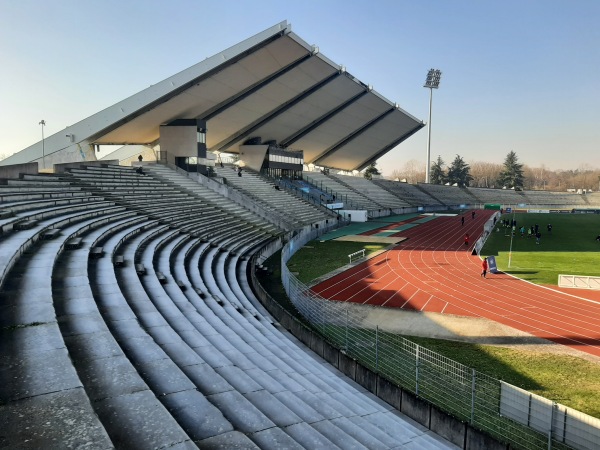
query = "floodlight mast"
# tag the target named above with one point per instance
(43, 123)
(432, 82)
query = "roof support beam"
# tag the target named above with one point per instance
(227, 143)
(387, 148)
(316, 123)
(218, 109)
(331, 150)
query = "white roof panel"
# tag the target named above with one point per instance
(272, 85)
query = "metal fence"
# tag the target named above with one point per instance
(511, 415)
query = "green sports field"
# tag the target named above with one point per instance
(571, 248)
(318, 258)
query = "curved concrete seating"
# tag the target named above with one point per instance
(555, 198)
(38, 209)
(229, 352)
(294, 209)
(211, 198)
(449, 195)
(344, 194)
(126, 346)
(373, 191)
(37, 372)
(503, 196)
(408, 192)
(177, 355)
(14, 244)
(10, 197)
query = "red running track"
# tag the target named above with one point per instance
(434, 271)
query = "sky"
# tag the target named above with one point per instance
(517, 75)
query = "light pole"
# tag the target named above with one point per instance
(43, 123)
(432, 82)
(512, 235)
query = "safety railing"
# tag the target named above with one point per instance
(509, 414)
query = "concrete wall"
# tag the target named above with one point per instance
(354, 215)
(253, 155)
(14, 170)
(423, 412)
(179, 141)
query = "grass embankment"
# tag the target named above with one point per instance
(565, 379)
(318, 258)
(570, 249)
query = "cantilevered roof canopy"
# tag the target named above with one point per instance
(274, 86)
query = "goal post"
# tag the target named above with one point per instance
(356, 255)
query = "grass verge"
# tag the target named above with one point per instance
(318, 258)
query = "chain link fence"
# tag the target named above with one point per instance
(509, 414)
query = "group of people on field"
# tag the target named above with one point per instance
(532, 231)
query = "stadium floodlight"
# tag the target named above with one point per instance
(432, 82)
(43, 123)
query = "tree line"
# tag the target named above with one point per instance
(511, 174)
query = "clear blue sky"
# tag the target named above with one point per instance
(518, 75)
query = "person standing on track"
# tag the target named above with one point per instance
(484, 267)
(462, 221)
(472, 214)
(467, 239)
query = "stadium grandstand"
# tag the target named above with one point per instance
(133, 314)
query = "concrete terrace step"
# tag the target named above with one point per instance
(334, 384)
(208, 195)
(42, 378)
(199, 418)
(11, 197)
(191, 362)
(100, 362)
(235, 405)
(264, 193)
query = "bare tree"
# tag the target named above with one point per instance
(484, 173)
(413, 172)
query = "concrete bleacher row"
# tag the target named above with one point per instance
(368, 194)
(294, 209)
(509, 197)
(134, 326)
(351, 198)
(372, 191)
(449, 195)
(410, 192)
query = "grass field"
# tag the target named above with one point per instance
(546, 374)
(319, 258)
(570, 249)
